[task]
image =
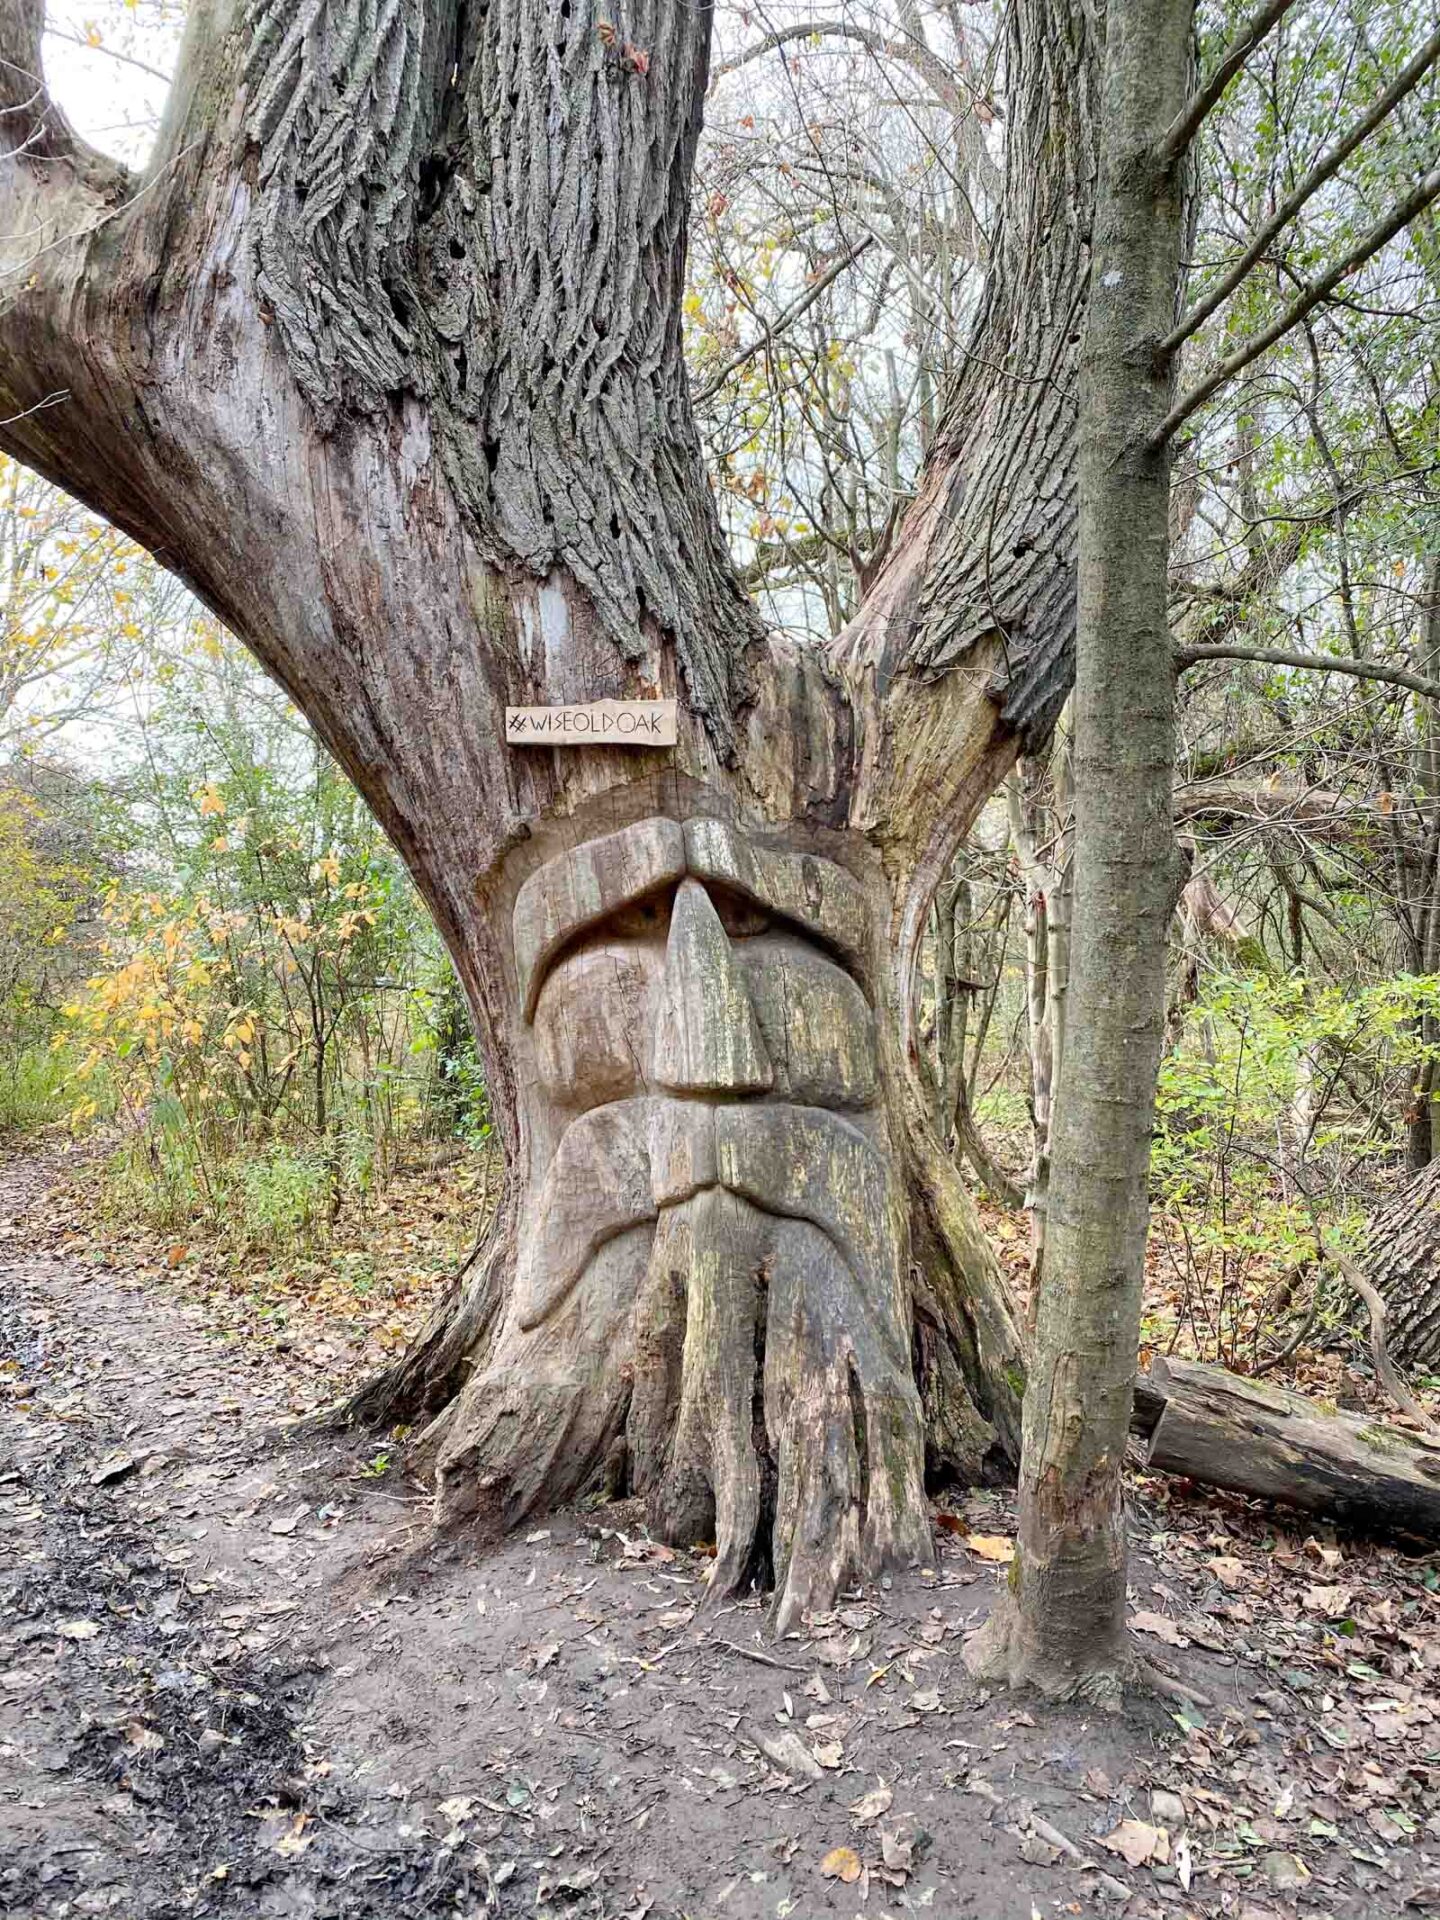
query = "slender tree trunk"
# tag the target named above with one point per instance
(382, 356)
(1062, 1627)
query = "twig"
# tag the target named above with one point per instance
(792, 313)
(1314, 662)
(1329, 163)
(1173, 1689)
(754, 1653)
(1309, 297)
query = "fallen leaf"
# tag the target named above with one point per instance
(1229, 1571)
(114, 1466)
(295, 1840)
(790, 1753)
(78, 1629)
(142, 1739)
(1333, 1602)
(897, 1849)
(1138, 1843)
(1161, 1625)
(841, 1863)
(992, 1546)
(871, 1805)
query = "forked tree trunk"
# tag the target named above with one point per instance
(382, 355)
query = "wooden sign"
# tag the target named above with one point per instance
(599, 723)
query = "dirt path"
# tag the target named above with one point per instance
(237, 1676)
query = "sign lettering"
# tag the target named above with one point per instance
(598, 723)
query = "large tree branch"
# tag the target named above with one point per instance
(1314, 662)
(1308, 298)
(33, 129)
(1329, 163)
(1206, 97)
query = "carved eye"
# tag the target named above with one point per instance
(640, 917)
(741, 918)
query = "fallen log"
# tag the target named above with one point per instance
(1257, 1438)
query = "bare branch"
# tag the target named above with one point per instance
(950, 87)
(1309, 297)
(109, 53)
(1329, 163)
(1314, 662)
(785, 319)
(1385, 1369)
(1192, 115)
(32, 126)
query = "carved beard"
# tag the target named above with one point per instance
(718, 1177)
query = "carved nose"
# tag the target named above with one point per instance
(708, 1039)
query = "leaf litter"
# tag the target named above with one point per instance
(294, 1700)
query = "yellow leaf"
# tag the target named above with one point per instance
(842, 1863)
(992, 1546)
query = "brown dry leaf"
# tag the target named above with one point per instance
(142, 1739)
(296, 1839)
(1139, 1844)
(1229, 1571)
(1333, 1602)
(871, 1805)
(897, 1851)
(78, 1629)
(790, 1753)
(841, 1863)
(831, 1755)
(1161, 1625)
(992, 1546)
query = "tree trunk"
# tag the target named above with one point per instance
(1261, 1439)
(1062, 1627)
(1402, 1262)
(382, 356)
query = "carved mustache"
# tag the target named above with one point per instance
(619, 1165)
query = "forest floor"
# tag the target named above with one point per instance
(239, 1675)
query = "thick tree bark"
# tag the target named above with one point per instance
(382, 356)
(1402, 1262)
(1062, 1626)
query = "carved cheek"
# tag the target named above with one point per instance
(817, 1026)
(593, 1021)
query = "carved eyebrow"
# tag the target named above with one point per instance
(587, 885)
(815, 893)
(579, 889)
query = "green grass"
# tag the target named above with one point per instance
(34, 1090)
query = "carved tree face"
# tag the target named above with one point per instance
(710, 1165)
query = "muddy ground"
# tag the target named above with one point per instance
(239, 1676)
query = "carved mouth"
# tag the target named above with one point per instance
(624, 1164)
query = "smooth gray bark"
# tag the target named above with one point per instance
(1062, 1627)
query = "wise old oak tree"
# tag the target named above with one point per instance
(382, 356)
